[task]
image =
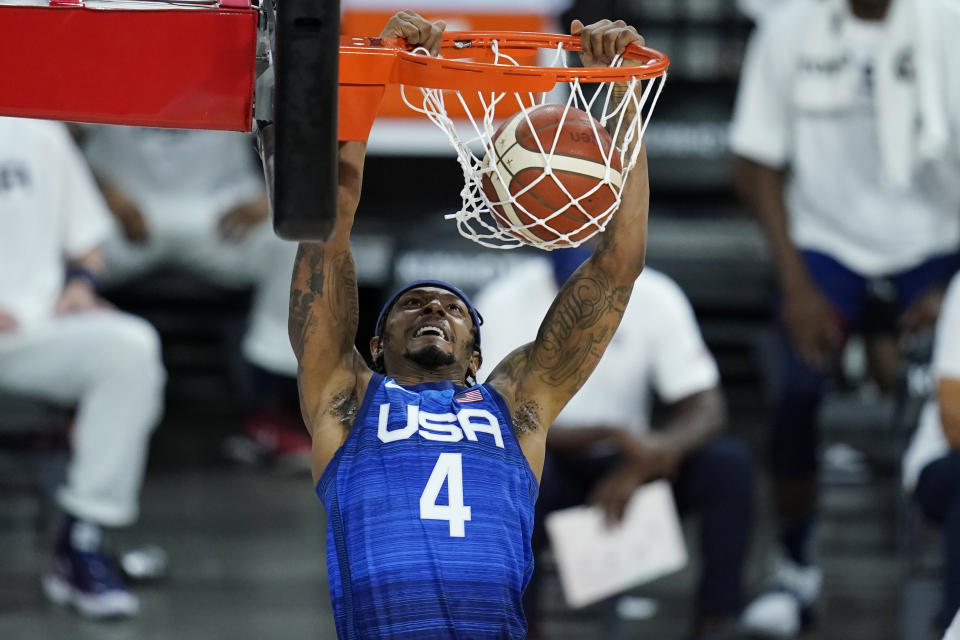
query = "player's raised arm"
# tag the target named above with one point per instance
(538, 379)
(323, 304)
(323, 294)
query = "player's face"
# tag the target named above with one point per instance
(430, 326)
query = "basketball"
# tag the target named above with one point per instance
(570, 198)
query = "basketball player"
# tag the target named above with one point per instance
(59, 342)
(430, 480)
(851, 213)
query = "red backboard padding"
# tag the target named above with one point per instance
(189, 69)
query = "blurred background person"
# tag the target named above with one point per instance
(602, 447)
(196, 201)
(843, 155)
(61, 343)
(932, 462)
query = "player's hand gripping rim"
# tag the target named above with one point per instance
(416, 30)
(602, 41)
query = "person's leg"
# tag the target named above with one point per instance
(795, 441)
(260, 260)
(109, 365)
(938, 493)
(793, 452)
(718, 481)
(780, 610)
(912, 283)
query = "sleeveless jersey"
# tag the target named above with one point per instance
(430, 506)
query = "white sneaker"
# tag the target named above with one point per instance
(85, 581)
(780, 612)
(774, 614)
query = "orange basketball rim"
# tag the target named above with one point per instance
(468, 61)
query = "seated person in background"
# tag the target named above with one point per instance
(601, 447)
(196, 200)
(931, 466)
(59, 342)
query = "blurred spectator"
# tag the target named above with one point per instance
(842, 135)
(601, 447)
(932, 463)
(61, 343)
(196, 200)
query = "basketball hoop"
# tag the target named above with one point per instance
(490, 76)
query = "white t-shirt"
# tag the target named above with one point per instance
(809, 105)
(929, 442)
(179, 179)
(50, 211)
(658, 346)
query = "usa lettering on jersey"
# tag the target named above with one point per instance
(441, 427)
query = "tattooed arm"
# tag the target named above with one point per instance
(323, 320)
(538, 379)
(323, 294)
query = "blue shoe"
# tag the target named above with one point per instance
(82, 577)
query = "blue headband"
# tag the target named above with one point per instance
(439, 284)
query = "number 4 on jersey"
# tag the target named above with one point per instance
(449, 468)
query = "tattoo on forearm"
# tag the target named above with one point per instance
(577, 329)
(318, 276)
(304, 290)
(344, 301)
(316, 272)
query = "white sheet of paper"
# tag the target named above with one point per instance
(596, 561)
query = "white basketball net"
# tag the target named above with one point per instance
(625, 118)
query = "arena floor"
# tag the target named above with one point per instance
(247, 553)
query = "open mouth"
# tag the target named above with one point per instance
(431, 330)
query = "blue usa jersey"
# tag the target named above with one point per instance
(430, 506)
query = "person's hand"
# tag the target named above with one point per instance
(128, 215)
(924, 311)
(604, 40)
(235, 224)
(78, 296)
(416, 30)
(813, 325)
(7, 322)
(644, 459)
